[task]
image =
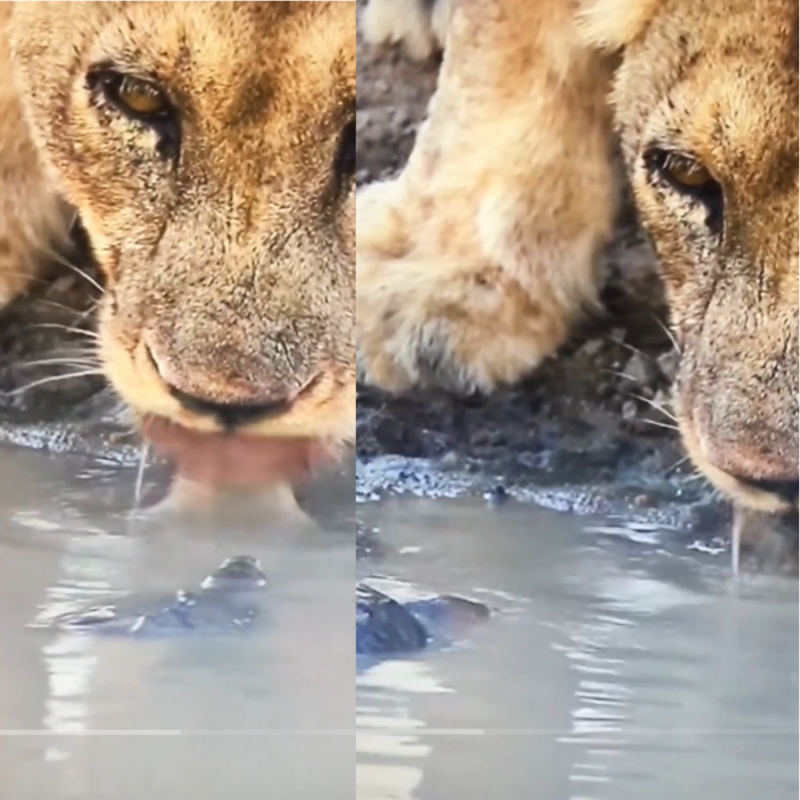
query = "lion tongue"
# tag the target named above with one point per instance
(222, 460)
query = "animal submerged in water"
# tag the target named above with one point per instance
(229, 600)
(385, 626)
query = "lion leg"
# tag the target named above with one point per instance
(34, 221)
(475, 262)
(418, 26)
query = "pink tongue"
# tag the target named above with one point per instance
(217, 459)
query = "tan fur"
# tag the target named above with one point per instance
(229, 268)
(474, 263)
(34, 221)
(419, 28)
(461, 259)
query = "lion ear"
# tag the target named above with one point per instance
(611, 24)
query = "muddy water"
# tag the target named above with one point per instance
(618, 666)
(244, 717)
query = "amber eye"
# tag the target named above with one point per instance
(687, 176)
(134, 97)
(139, 97)
(686, 172)
(141, 101)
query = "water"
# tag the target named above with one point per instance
(618, 667)
(88, 718)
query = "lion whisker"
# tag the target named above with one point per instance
(54, 379)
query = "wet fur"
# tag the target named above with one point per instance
(476, 261)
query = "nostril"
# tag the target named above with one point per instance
(785, 489)
(231, 415)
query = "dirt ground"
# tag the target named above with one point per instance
(588, 414)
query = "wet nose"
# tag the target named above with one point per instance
(785, 490)
(247, 403)
(765, 460)
(231, 415)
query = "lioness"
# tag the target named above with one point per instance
(208, 150)
(475, 262)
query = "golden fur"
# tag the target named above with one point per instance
(227, 246)
(475, 262)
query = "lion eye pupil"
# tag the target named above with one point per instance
(688, 173)
(140, 97)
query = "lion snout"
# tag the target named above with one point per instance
(223, 382)
(754, 463)
(747, 447)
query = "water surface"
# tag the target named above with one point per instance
(621, 665)
(89, 718)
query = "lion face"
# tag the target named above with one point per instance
(209, 150)
(707, 102)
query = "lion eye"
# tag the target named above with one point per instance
(139, 100)
(345, 161)
(686, 172)
(134, 97)
(688, 176)
(138, 97)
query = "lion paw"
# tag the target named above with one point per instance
(418, 26)
(34, 231)
(472, 334)
(452, 317)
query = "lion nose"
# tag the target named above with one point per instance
(785, 490)
(770, 469)
(231, 415)
(246, 402)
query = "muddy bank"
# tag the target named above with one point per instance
(584, 432)
(52, 395)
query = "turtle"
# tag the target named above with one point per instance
(227, 601)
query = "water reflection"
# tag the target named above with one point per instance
(389, 750)
(87, 569)
(91, 707)
(69, 663)
(619, 668)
